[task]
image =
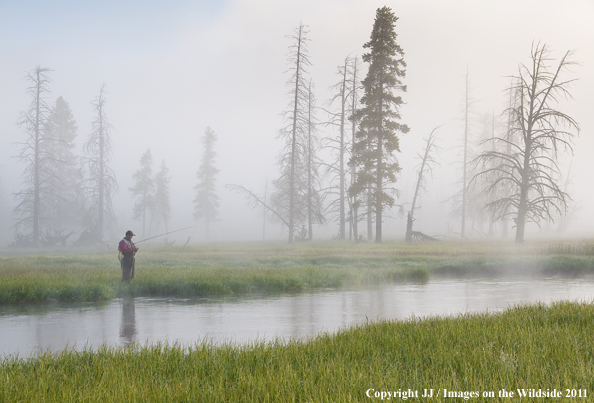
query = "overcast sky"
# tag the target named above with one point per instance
(172, 68)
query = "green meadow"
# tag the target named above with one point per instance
(537, 349)
(527, 349)
(252, 268)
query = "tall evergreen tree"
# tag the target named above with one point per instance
(99, 184)
(143, 190)
(377, 140)
(206, 203)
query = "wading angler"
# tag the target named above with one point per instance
(127, 251)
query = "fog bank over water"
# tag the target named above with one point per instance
(173, 68)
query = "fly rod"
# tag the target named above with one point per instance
(167, 233)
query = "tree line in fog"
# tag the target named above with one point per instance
(509, 171)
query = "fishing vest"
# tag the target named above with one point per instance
(128, 244)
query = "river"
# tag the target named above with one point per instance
(28, 329)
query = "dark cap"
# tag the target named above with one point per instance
(129, 233)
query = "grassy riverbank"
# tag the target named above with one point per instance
(274, 267)
(529, 347)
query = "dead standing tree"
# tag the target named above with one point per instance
(353, 201)
(461, 199)
(338, 147)
(289, 197)
(34, 200)
(346, 95)
(313, 198)
(542, 130)
(100, 183)
(427, 160)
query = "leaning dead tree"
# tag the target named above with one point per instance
(427, 161)
(255, 200)
(542, 131)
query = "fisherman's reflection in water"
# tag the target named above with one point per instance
(128, 325)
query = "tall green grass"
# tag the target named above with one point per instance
(274, 268)
(540, 347)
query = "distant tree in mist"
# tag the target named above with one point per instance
(206, 202)
(162, 208)
(376, 141)
(5, 210)
(65, 180)
(99, 183)
(477, 199)
(143, 190)
(465, 161)
(36, 202)
(294, 197)
(563, 221)
(540, 131)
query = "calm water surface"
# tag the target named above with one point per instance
(28, 329)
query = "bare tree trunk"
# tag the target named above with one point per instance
(37, 179)
(354, 212)
(309, 168)
(380, 169)
(101, 171)
(294, 138)
(492, 215)
(465, 161)
(264, 211)
(369, 216)
(424, 162)
(342, 216)
(508, 137)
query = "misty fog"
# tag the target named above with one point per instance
(172, 69)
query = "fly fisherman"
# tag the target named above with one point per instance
(128, 250)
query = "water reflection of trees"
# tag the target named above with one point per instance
(128, 324)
